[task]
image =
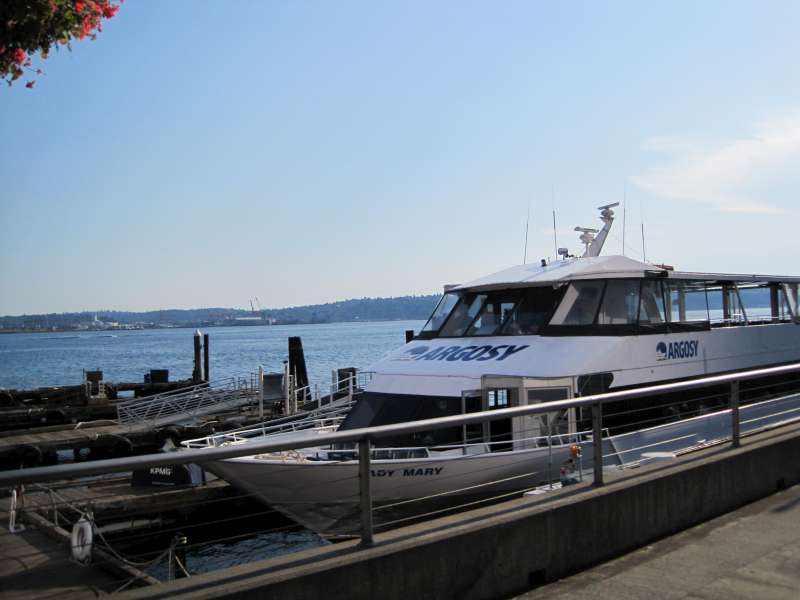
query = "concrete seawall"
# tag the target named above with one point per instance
(498, 551)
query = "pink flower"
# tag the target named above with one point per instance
(19, 56)
(79, 6)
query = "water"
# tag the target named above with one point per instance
(30, 360)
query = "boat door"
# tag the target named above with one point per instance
(498, 392)
(499, 432)
(547, 424)
(501, 391)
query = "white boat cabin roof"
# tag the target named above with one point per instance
(597, 267)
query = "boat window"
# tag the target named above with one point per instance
(495, 312)
(716, 301)
(462, 315)
(788, 301)
(579, 304)
(651, 305)
(532, 311)
(620, 303)
(724, 307)
(756, 300)
(443, 308)
(738, 315)
(687, 302)
(497, 399)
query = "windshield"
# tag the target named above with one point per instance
(463, 314)
(501, 312)
(495, 311)
(443, 308)
(532, 311)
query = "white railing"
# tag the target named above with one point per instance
(187, 403)
(329, 416)
(728, 424)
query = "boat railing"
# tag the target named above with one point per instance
(731, 407)
(248, 434)
(342, 389)
(471, 449)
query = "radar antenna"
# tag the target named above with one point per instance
(586, 237)
(594, 243)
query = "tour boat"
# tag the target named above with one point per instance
(536, 333)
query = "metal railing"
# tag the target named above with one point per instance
(364, 437)
(187, 403)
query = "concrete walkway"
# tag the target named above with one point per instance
(753, 552)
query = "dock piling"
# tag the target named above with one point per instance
(297, 362)
(197, 372)
(206, 365)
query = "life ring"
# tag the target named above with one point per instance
(81, 540)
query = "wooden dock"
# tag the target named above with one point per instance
(35, 566)
(115, 497)
(107, 439)
(36, 563)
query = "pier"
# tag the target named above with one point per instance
(752, 552)
(93, 421)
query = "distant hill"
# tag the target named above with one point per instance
(362, 309)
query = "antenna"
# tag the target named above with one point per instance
(624, 216)
(527, 222)
(553, 205)
(644, 254)
(641, 214)
(586, 237)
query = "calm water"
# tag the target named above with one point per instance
(29, 360)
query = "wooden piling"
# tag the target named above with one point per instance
(297, 362)
(197, 372)
(206, 369)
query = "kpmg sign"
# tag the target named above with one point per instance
(462, 353)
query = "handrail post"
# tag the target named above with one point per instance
(597, 442)
(365, 488)
(735, 414)
(261, 393)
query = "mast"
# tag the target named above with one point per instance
(594, 244)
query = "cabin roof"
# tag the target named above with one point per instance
(598, 267)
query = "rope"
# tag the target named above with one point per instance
(180, 564)
(118, 556)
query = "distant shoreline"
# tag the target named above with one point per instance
(198, 326)
(344, 311)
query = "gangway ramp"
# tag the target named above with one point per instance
(180, 406)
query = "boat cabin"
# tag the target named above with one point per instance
(580, 326)
(611, 295)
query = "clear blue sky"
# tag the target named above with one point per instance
(200, 153)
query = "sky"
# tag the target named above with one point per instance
(201, 153)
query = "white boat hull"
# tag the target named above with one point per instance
(323, 495)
